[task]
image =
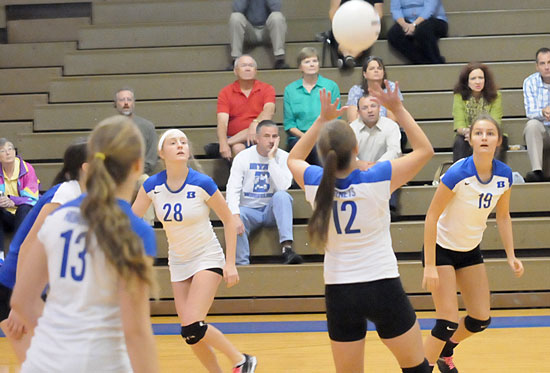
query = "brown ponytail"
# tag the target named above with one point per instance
(113, 148)
(335, 145)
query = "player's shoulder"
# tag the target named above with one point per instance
(201, 180)
(155, 180)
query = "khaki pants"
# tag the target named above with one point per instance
(240, 30)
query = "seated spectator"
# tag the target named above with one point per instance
(241, 106)
(258, 21)
(536, 96)
(419, 24)
(374, 72)
(378, 138)
(256, 193)
(18, 190)
(474, 93)
(301, 99)
(347, 58)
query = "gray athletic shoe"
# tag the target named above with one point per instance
(249, 365)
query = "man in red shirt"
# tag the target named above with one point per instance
(241, 106)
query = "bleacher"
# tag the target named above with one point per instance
(64, 59)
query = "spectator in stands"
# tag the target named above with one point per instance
(256, 193)
(258, 21)
(536, 96)
(301, 99)
(241, 106)
(378, 138)
(18, 190)
(475, 93)
(347, 58)
(125, 105)
(419, 25)
(374, 72)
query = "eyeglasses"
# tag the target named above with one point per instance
(7, 150)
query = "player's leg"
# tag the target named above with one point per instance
(201, 295)
(395, 320)
(474, 288)
(347, 325)
(446, 308)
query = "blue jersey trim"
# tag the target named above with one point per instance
(465, 168)
(193, 178)
(379, 172)
(142, 229)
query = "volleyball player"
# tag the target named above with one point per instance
(351, 221)
(92, 252)
(182, 198)
(454, 227)
(67, 186)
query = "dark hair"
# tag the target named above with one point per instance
(265, 123)
(364, 81)
(487, 117)
(335, 145)
(489, 91)
(365, 95)
(75, 155)
(113, 148)
(541, 50)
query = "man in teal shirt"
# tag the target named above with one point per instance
(301, 99)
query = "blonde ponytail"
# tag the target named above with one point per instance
(113, 148)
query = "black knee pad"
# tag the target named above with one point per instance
(193, 333)
(424, 367)
(444, 329)
(475, 325)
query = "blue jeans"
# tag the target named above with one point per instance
(278, 212)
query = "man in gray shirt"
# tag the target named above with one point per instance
(125, 104)
(257, 22)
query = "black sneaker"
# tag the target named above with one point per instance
(249, 365)
(534, 176)
(446, 365)
(349, 62)
(212, 150)
(280, 64)
(290, 256)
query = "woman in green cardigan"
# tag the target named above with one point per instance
(475, 93)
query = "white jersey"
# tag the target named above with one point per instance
(462, 223)
(359, 247)
(66, 192)
(254, 179)
(185, 216)
(80, 329)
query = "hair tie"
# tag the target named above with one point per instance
(100, 155)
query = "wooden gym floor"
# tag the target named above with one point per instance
(517, 341)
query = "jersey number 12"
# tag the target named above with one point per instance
(344, 207)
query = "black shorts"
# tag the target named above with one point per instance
(457, 259)
(383, 302)
(217, 270)
(5, 295)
